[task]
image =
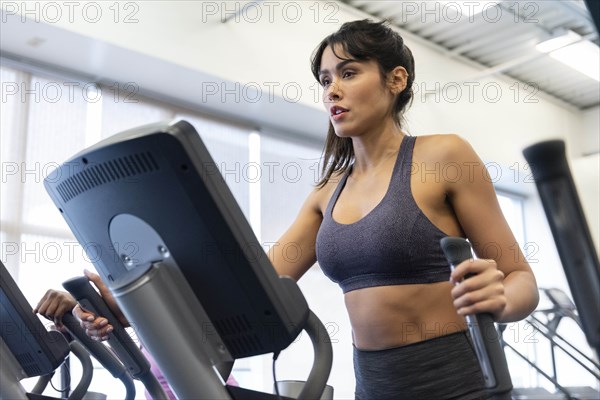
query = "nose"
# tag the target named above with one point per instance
(332, 93)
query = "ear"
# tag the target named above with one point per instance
(397, 79)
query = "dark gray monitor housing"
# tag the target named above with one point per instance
(38, 351)
(165, 233)
(27, 348)
(149, 175)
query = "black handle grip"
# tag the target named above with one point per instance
(484, 335)
(456, 249)
(119, 340)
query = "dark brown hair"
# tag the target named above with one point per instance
(364, 40)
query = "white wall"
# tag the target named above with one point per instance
(174, 46)
(591, 130)
(587, 181)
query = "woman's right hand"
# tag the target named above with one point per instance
(97, 327)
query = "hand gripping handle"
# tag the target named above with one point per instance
(119, 340)
(484, 335)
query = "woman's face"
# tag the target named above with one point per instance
(354, 94)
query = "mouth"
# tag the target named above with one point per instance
(336, 111)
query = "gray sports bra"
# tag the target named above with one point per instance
(394, 244)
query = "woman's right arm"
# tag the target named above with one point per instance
(295, 251)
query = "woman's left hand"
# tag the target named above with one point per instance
(479, 288)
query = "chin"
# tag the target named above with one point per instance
(343, 132)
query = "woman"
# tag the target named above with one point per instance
(375, 219)
(374, 223)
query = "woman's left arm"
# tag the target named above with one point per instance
(503, 284)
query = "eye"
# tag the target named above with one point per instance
(348, 74)
(325, 81)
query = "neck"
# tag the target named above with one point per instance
(374, 149)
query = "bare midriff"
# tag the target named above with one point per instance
(385, 317)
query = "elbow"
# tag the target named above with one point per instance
(535, 300)
(535, 295)
(529, 305)
(528, 296)
(521, 301)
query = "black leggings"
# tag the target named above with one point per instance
(442, 368)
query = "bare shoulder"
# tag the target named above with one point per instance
(453, 158)
(444, 148)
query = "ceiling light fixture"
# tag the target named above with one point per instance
(574, 51)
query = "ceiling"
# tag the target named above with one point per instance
(502, 38)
